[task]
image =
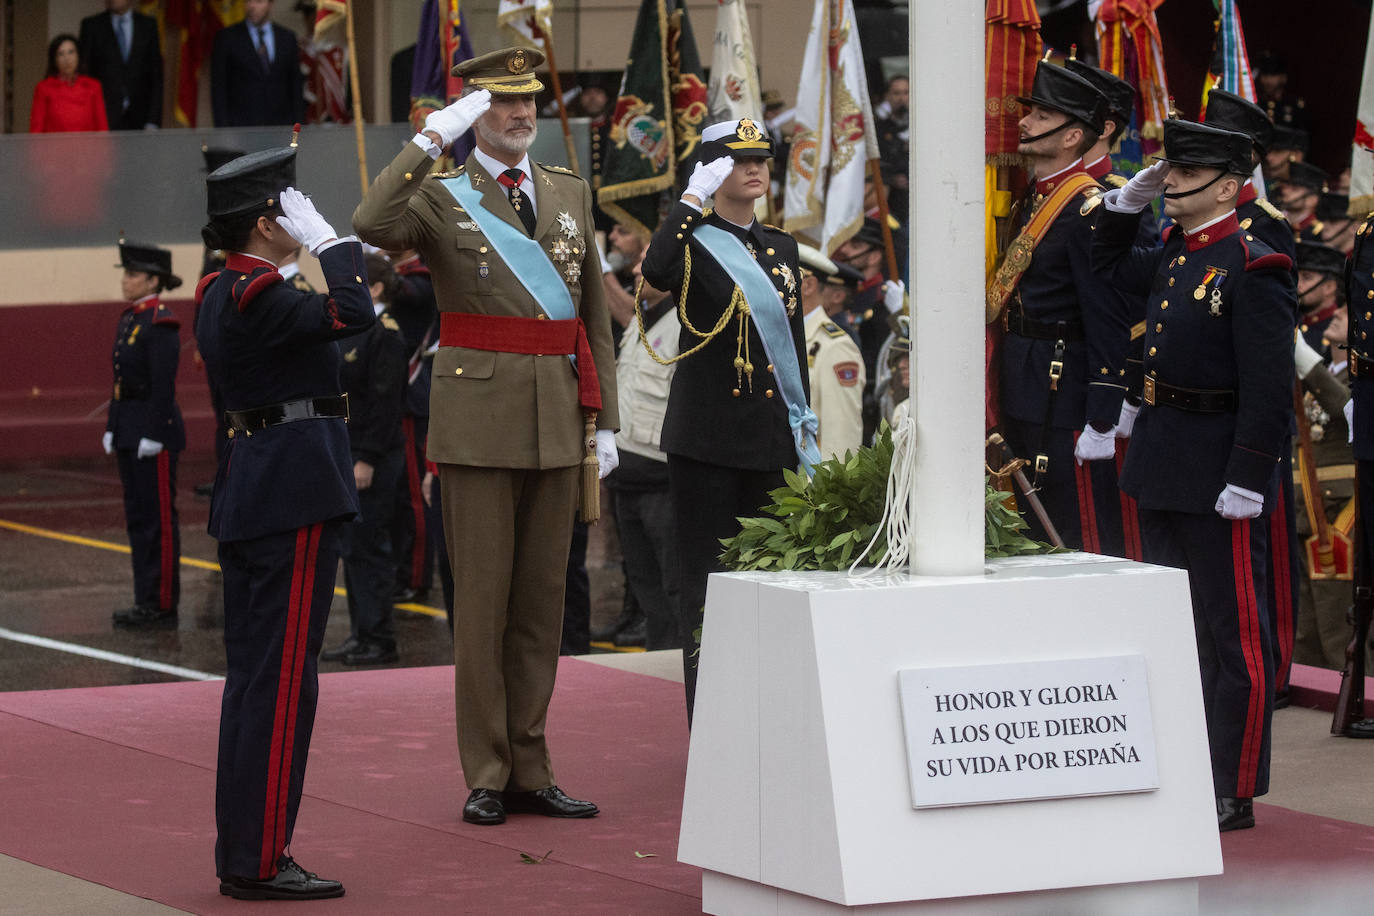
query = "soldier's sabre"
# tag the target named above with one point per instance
(1027, 490)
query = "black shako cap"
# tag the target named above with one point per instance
(1231, 112)
(1333, 206)
(1060, 90)
(216, 156)
(148, 259)
(252, 182)
(1119, 94)
(1191, 143)
(1321, 258)
(1307, 175)
(1290, 138)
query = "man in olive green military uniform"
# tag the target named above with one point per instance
(524, 355)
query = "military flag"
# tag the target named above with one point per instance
(1128, 45)
(733, 91)
(196, 22)
(324, 58)
(528, 21)
(442, 42)
(328, 15)
(657, 120)
(1229, 68)
(823, 202)
(1362, 145)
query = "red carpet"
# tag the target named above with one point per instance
(116, 785)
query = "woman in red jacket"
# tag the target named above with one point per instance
(65, 100)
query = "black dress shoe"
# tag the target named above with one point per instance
(485, 807)
(291, 882)
(142, 617)
(1361, 729)
(636, 634)
(1281, 699)
(407, 595)
(550, 802)
(371, 653)
(1235, 814)
(341, 651)
(628, 617)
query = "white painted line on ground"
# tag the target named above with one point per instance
(116, 657)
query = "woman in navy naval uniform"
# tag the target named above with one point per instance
(727, 431)
(146, 433)
(282, 496)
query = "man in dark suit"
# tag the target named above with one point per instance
(121, 49)
(255, 73)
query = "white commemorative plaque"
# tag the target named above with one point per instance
(1013, 732)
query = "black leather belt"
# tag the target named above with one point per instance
(1018, 323)
(1361, 367)
(1195, 399)
(288, 412)
(122, 393)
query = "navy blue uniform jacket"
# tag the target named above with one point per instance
(704, 420)
(1181, 460)
(1360, 288)
(374, 375)
(143, 402)
(264, 343)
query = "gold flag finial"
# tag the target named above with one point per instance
(295, 134)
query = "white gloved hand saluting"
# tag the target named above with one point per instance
(1236, 503)
(452, 122)
(707, 177)
(147, 448)
(1143, 188)
(607, 457)
(1095, 446)
(1126, 422)
(894, 291)
(107, 442)
(303, 222)
(1304, 357)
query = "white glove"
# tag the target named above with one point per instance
(452, 122)
(303, 222)
(1236, 503)
(1093, 445)
(107, 442)
(894, 291)
(1126, 422)
(606, 455)
(1349, 411)
(147, 448)
(1142, 188)
(707, 177)
(1304, 357)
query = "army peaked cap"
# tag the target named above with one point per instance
(1120, 94)
(148, 259)
(1191, 143)
(251, 182)
(1060, 90)
(1231, 112)
(509, 71)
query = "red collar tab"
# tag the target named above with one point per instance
(137, 307)
(1320, 315)
(1308, 220)
(866, 285)
(246, 263)
(1213, 233)
(1047, 185)
(1099, 169)
(1247, 194)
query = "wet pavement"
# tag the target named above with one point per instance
(64, 568)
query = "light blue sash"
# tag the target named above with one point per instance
(770, 317)
(523, 255)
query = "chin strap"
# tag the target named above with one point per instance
(1049, 133)
(1176, 195)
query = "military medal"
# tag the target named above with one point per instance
(567, 224)
(1216, 301)
(483, 270)
(565, 256)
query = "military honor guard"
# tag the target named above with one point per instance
(145, 433)
(1302, 191)
(835, 365)
(1067, 330)
(1120, 96)
(1359, 410)
(1255, 213)
(738, 410)
(1218, 404)
(523, 374)
(282, 496)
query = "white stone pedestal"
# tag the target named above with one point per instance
(798, 797)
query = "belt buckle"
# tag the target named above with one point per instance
(1149, 391)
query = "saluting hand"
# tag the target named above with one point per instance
(303, 222)
(707, 178)
(1143, 187)
(450, 123)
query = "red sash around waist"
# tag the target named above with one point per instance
(535, 336)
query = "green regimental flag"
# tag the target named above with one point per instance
(658, 116)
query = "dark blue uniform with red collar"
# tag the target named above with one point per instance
(1218, 366)
(413, 537)
(282, 495)
(143, 406)
(1059, 286)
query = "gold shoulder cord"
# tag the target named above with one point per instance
(743, 367)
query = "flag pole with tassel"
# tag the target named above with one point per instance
(889, 251)
(357, 96)
(557, 94)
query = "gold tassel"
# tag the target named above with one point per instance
(590, 509)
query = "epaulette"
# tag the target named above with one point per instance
(1092, 199)
(164, 317)
(1115, 180)
(1274, 259)
(388, 322)
(774, 228)
(204, 284)
(1272, 211)
(560, 169)
(451, 173)
(833, 329)
(249, 286)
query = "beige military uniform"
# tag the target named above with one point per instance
(506, 430)
(837, 384)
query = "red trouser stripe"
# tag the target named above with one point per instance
(417, 505)
(288, 698)
(165, 535)
(1249, 632)
(1087, 510)
(1130, 512)
(1283, 589)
